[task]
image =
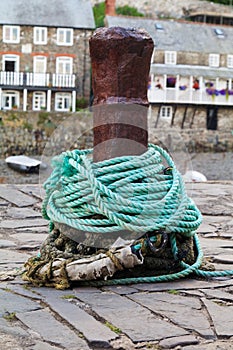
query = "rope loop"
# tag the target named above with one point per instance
(136, 193)
(143, 194)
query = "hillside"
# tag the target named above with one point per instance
(171, 8)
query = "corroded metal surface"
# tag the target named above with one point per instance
(120, 69)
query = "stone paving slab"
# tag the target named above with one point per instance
(137, 322)
(32, 190)
(44, 346)
(51, 330)
(174, 307)
(13, 224)
(221, 316)
(6, 244)
(96, 333)
(16, 197)
(171, 343)
(22, 213)
(29, 237)
(11, 303)
(11, 256)
(187, 314)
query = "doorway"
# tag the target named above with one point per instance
(212, 118)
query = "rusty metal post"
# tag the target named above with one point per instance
(120, 69)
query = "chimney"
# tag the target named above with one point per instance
(110, 7)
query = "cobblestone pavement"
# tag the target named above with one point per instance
(187, 314)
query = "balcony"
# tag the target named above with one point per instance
(37, 79)
(190, 96)
(176, 84)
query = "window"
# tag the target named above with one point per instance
(230, 61)
(64, 65)
(62, 102)
(11, 34)
(39, 64)
(10, 63)
(170, 57)
(39, 69)
(166, 112)
(64, 36)
(39, 100)
(10, 99)
(40, 36)
(171, 82)
(214, 60)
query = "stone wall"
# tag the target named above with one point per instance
(36, 133)
(26, 50)
(194, 135)
(189, 58)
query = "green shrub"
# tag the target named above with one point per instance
(99, 14)
(81, 103)
(128, 11)
(222, 2)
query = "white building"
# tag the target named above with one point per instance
(191, 68)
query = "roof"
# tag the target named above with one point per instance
(210, 13)
(180, 36)
(187, 70)
(49, 13)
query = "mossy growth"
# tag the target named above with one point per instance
(42, 118)
(173, 291)
(68, 296)
(12, 117)
(10, 316)
(27, 125)
(113, 328)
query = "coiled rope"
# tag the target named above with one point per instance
(135, 193)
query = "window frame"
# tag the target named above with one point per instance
(9, 57)
(11, 40)
(10, 93)
(62, 96)
(166, 112)
(170, 57)
(39, 31)
(214, 60)
(65, 60)
(229, 61)
(35, 59)
(42, 97)
(65, 42)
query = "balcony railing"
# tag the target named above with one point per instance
(63, 80)
(190, 96)
(37, 79)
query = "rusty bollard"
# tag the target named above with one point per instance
(120, 70)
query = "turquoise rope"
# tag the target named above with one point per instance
(135, 193)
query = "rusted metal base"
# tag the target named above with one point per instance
(120, 69)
